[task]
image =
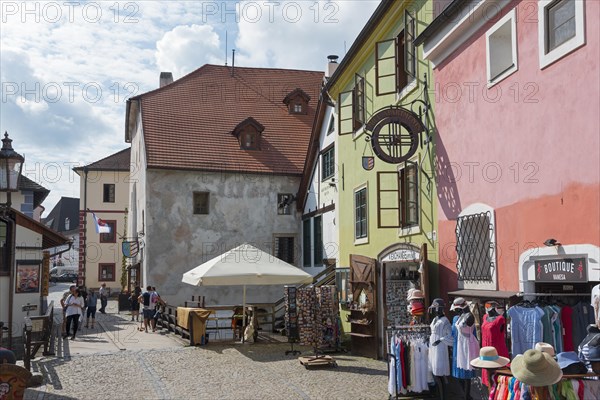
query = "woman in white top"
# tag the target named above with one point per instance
(74, 306)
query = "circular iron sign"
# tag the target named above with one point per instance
(395, 134)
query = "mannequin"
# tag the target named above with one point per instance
(492, 334)
(466, 346)
(440, 339)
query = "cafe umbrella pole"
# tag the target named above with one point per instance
(244, 317)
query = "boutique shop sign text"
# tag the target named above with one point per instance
(561, 270)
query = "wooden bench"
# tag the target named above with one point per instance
(37, 332)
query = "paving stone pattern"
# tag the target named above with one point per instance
(101, 364)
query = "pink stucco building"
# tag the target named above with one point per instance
(516, 87)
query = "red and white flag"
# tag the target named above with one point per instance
(101, 226)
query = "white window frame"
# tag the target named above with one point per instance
(567, 47)
(365, 239)
(510, 17)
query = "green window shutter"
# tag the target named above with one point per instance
(385, 67)
(345, 113)
(318, 241)
(306, 243)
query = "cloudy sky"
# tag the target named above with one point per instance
(67, 67)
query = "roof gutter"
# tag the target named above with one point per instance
(447, 14)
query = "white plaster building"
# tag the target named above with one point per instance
(216, 160)
(104, 190)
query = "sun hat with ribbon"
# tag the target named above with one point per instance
(489, 358)
(536, 368)
(458, 302)
(545, 348)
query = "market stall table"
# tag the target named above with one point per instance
(194, 320)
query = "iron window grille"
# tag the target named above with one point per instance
(108, 193)
(284, 249)
(474, 247)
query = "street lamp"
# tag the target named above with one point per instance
(11, 165)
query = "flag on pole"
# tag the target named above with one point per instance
(101, 226)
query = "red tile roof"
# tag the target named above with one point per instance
(188, 124)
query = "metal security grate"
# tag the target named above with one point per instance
(474, 247)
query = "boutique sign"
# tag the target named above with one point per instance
(561, 270)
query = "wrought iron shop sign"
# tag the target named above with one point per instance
(395, 134)
(561, 270)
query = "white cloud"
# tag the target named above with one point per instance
(185, 48)
(297, 34)
(95, 61)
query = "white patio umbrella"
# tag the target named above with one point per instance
(242, 266)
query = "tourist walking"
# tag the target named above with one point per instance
(103, 298)
(147, 308)
(92, 303)
(135, 304)
(74, 304)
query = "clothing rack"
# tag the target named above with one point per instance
(421, 329)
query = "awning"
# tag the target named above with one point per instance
(483, 294)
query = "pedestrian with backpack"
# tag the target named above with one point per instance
(147, 308)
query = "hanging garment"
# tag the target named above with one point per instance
(583, 316)
(526, 328)
(438, 355)
(492, 334)
(547, 334)
(557, 329)
(392, 366)
(566, 317)
(456, 371)
(468, 346)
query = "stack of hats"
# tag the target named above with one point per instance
(536, 368)
(416, 307)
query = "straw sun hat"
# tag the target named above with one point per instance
(545, 348)
(536, 368)
(489, 358)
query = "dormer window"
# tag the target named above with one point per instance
(297, 101)
(248, 132)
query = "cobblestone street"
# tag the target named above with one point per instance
(117, 361)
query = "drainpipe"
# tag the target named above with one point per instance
(84, 246)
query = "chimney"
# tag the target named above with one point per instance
(166, 78)
(331, 65)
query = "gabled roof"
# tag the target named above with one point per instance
(67, 207)
(246, 122)
(295, 93)
(39, 192)
(119, 161)
(187, 125)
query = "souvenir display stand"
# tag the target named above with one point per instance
(504, 379)
(291, 319)
(318, 322)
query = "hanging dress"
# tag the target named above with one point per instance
(438, 355)
(458, 372)
(492, 334)
(467, 347)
